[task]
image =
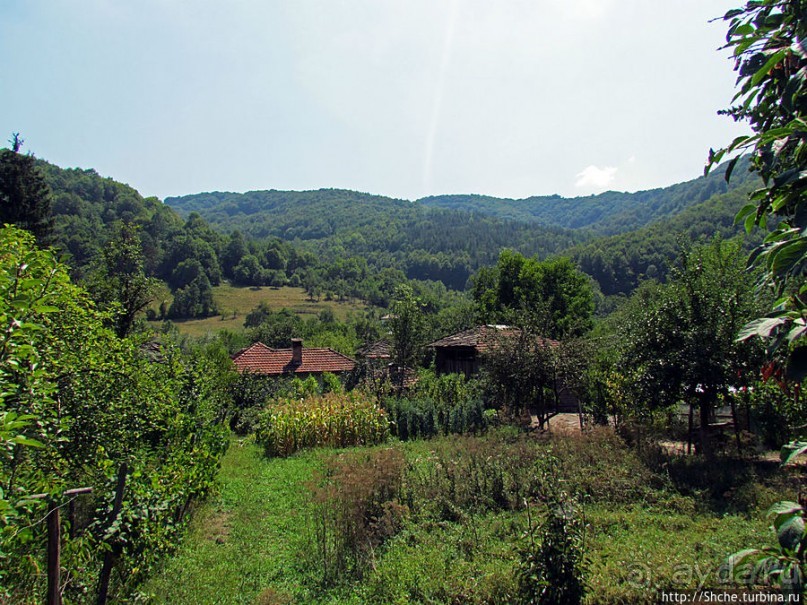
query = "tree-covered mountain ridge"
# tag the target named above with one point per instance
(322, 213)
(346, 241)
(607, 213)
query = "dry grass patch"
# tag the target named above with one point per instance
(216, 526)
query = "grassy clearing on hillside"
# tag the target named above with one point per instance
(463, 521)
(235, 302)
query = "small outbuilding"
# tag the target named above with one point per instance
(462, 353)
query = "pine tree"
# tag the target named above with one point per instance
(24, 195)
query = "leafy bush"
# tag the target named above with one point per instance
(774, 415)
(551, 570)
(334, 420)
(250, 392)
(438, 405)
(78, 406)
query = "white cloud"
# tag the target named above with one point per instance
(594, 177)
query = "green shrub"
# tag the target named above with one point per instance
(333, 420)
(774, 415)
(551, 570)
(600, 467)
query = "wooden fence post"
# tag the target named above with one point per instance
(54, 546)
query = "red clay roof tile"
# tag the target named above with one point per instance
(264, 360)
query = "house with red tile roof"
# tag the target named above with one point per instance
(296, 361)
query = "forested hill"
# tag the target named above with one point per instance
(426, 243)
(638, 233)
(361, 244)
(607, 213)
(619, 262)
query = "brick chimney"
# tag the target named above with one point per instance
(297, 351)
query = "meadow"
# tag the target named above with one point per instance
(235, 302)
(448, 520)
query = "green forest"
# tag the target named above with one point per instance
(478, 400)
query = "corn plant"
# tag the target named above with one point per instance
(331, 420)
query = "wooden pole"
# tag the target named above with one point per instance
(54, 555)
(54, 525)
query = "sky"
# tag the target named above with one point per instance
(404, 98)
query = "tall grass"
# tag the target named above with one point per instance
(356, 499)
(331, 420)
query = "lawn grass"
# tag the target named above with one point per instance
(249, 544)
(245, 539)
(235, 302)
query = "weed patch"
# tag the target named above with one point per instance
(356, 508)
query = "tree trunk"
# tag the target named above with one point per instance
(111, 555)
(705, 404)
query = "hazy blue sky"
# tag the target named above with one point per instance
(404, 98)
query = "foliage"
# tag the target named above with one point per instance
(775, 416)
(552, 571)
(25, 197)
(250, 393)
(556, 297)
(121, 279)
(679, 340)
(767, 40)
(448, 238)
(619, 263)
(407, 329)
(471, 475)
(383, 239)
(422, 418)
(438, 405)
(277, 328)
(333, 420)
(607, 213)
(195, 298)
(782, 564)
(81, 406)
(519, 374)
